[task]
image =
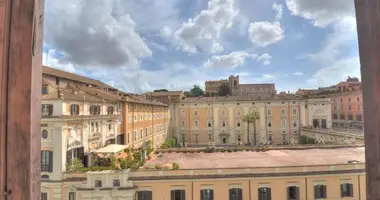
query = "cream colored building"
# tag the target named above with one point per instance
(199, 120)
(329, 174)
(81, 115)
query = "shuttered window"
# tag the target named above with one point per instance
(76, 153)
(95, 110)
(177, 195)
(207, 194)
(47, 109)
(264, 193)
(346, 190)
(72, 196)
(46, 161)
(144, 195)
(320, 191)
(236, 194)
(110, 110)
(44, 196)
(293, 193)
(74, 109)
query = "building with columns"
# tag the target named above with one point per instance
(199, 120)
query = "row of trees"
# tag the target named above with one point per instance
(196, 91)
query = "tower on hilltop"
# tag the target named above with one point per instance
(234, 83)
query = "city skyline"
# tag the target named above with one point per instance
(304, 46)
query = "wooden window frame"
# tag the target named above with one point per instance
(21, 38)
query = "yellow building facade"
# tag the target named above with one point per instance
(145, 120)
(200, 120)
(335, 179)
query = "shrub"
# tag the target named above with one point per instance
(135, 165)
(175, 166)
(306, 140)
(149, 150)
(137, 156)
(113, 162)
(74, 165)
(235, 149)
(126, 162)
(159, 166)
(127, 150)
(229, 150)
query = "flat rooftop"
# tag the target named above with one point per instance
(272, 158)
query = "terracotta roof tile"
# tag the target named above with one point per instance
(71, 76)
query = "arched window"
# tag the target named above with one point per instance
(44, 134)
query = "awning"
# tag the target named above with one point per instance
(112, 148)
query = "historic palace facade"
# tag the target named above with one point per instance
(200, 120)
(80, 115)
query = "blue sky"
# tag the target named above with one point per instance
(141, 45)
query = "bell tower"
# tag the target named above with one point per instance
(234, 84)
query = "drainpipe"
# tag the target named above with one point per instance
(305, 188)
(249, 191)
(359, 187)
(192, 190)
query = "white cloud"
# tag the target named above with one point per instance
(202, 32)
(278, 8)
(267, 76)
(298, 73)
(166, 32)
(332, 74)
(265, 58)
(339, 15)
(235, 59)
(108, 41)
(48, 59)
(150, 16)
(322, 14)
(343, 32)
(265, 33)
(231, 60)
(172, 76)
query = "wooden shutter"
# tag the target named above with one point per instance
(51, 109)
(50, 161)
(80, 154)
(183, 194)
(269, 194)
(77, 109)
(324, 191)
(68, 156)
(172, 195)
(297, 193)
(211, 195)
(341, 190)
(201, 194)
(350, 190)
(231, 194)
(259, 194)
(316, 192)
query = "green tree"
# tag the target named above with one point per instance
(75, 165)
(161, 90)
(224, 90)
(251, 117)
(196, 91)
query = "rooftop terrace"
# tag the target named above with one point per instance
(271, 158)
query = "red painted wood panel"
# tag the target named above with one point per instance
(368, 20)
(20, 73)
